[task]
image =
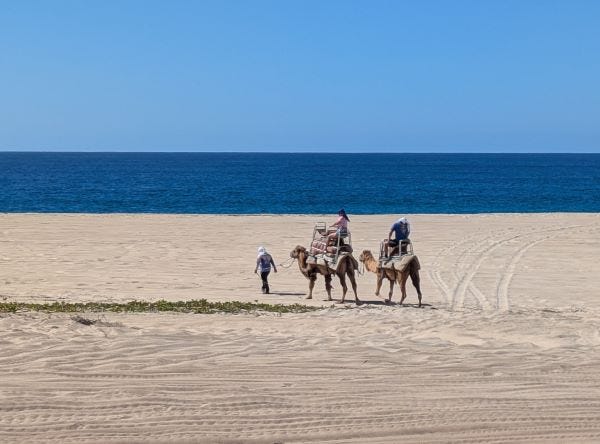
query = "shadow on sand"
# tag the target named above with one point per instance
(384, 304)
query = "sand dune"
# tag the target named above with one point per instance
(506, 349)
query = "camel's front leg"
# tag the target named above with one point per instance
(379, 282)
(328, 286)
(311, 285)
(403, 286)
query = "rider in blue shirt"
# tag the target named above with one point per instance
(401, 231)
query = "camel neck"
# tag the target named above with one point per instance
(302, 260)
(371, 264)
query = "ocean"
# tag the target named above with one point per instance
(307, 183)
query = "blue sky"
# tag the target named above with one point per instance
(386, 76)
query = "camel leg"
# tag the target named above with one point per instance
(354, 288)
(416, 281)
(328, 286)
(390, 276)
(342, 278)
(379, 282)
(311, 285)
(403, 280)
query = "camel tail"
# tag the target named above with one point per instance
(355, 262)
(415, 278)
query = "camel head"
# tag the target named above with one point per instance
(365, 256)
(295, 253)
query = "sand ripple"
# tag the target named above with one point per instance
(369, 374)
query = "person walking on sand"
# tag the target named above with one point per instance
(264, 261)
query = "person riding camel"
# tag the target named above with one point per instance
(401, 230)
(340, 227)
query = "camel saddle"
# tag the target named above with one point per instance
(400, 263)
(325, 259)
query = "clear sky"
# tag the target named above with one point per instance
(401, 76)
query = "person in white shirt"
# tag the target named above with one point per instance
(264, 261)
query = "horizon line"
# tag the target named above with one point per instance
(291, 152)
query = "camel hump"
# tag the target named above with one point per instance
(350, 258)
(342, 259)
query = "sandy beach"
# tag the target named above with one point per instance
(506, 348)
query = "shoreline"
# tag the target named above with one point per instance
(329, 215)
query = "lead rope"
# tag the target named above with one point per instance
(361, 268)
(288, 263)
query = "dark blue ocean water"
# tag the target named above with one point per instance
(234, 183)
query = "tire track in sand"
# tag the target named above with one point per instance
(435, 276)
(502, 299)
(464, 283)
(502, 302)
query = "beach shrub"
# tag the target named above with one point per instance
(192, 306)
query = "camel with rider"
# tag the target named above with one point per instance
(410, 268)
(346, 267)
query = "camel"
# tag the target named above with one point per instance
(412, 270)
(346, 267)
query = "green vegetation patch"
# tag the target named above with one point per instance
(193, 306)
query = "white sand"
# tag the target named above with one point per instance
(506, 349)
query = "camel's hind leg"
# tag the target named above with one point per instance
(403, 279)
(354, 286)
(342, 278)
(416, 280)
(389, 299)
